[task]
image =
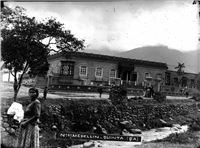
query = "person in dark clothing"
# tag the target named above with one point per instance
(100, 90)
(45, 92)
(151, 92)
(186, 92)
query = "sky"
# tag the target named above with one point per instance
(122, 26)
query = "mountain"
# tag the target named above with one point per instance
(165, 55)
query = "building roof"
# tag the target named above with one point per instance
(112, 58)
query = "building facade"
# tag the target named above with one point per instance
(94, 69)
(91, 70)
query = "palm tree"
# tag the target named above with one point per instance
(180, 71)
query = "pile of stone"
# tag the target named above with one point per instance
(9, 130)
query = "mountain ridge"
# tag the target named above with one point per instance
(165, 55)
(158, 53)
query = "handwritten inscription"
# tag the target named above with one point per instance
(98, 137)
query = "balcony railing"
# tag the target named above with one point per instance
(129, 83)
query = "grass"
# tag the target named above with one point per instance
(181, 138)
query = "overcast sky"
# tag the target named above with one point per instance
(123, 26)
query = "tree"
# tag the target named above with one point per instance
(23, 47)
(197, 2)
(180, 71)
(197, 81)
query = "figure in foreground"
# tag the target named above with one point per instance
(29, 131)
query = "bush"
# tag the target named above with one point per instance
(159, 97)
(196, 97)
(195, 125)
(118, 95)
(181, 138)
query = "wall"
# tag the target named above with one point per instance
(141, 70)
(92, 65)
(176, 88)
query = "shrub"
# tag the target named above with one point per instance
(196, 97)
(195, 125)
(159, 97)
(181, 138)
(118, 95)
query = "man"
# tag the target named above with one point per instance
(45, 92)
(100, 90)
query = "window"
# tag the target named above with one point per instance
(99, 72)
(83, 71)
(147, 75)
(158, 76)
(176, 81)
(192, 83)
(134, 76)
(184, 81)
(112, 73)
(67, 68)
(167, 78)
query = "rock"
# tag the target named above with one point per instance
(162, 121)
(54, 128)
(125, 133)
(1, 122)
(2, 129)
(4, 134)
(135, 131)
(124, 123)
(88, 145)
(11, 131)
(178, 126)
(5, 125)
(100, 130)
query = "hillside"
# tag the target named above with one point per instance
(166, 55)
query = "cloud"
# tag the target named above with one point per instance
(126, 25)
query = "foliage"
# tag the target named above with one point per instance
(196, 97)
(195, 125)
(118, 95)
(23, 43)
(180, 71)
(197, 81)
(181, 138)
(159, 97)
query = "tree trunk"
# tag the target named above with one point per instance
(16, 89)
(15, 95)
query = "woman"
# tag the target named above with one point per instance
(29, 131)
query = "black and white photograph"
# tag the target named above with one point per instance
(100, 74)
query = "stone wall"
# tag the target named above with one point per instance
(140, 116)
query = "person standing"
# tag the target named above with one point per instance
(186, 92)
(100, 90)
(45, 92)
(28, 136)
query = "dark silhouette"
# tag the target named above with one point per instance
(45, 92)
(100, 90)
